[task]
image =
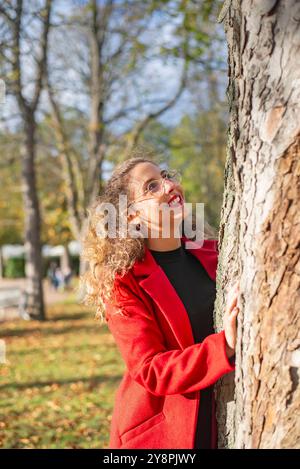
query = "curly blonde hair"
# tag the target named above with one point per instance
(109, 256)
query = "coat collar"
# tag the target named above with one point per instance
(206, 254)
(152, 278)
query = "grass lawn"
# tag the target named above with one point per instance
(58, 383)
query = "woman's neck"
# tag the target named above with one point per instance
(167, 241)
(163, 244)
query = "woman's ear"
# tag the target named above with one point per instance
(132, 216)
(134, 224)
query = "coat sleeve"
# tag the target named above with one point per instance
(160, 370)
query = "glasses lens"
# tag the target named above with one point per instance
(172, 175)
(154, 186)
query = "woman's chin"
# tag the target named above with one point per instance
(173, 213)
(177, 213)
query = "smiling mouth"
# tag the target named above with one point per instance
(175, 201)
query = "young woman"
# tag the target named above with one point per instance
(157, 296)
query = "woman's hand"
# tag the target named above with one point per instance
(229, 319)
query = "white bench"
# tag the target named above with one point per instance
(12, 297)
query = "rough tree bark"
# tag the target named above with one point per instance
(258, 406)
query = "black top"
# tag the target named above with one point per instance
(197, 292)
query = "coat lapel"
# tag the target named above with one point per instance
(152, 278)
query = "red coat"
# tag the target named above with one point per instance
(156, 404)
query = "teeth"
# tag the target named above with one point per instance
(175, 201)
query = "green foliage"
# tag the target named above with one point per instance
(196, 31)
(51, 189)
(198, 148)
(11, 217)
(14, 267)
(54, 214)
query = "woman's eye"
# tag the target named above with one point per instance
(153, 185)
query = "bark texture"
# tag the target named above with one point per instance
(259, 404)
(33, 267)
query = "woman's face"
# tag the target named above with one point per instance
(154, 211)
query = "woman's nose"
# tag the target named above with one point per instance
(167, 185)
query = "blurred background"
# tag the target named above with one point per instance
(85, 85)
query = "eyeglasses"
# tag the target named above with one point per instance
(155, 186)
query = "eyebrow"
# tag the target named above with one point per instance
(151, 179)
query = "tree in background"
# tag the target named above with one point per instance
(12, 218)
(55, 227)
(24, 59)
(197, 148)
(116, 45)
(54, 210)
(259, 232)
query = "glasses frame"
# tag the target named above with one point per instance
(175, 174)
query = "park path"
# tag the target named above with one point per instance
(51, 296)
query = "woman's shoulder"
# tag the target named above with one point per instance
(125, 285)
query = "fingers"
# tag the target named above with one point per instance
(231, 315)
(231, 302)
(234, 312)
(233, 319)
(233, 293)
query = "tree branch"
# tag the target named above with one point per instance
(42, 64)
(154, 115)
(75, 192)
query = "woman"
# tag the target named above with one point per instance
(157, 296)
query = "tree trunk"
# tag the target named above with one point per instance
(65, 259)
(33, 264)
(258, 406)
(1, 264)
(83, 263)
